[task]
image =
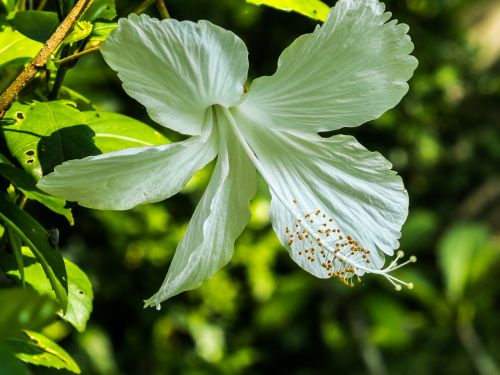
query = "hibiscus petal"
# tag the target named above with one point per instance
(123, 179)
(217, 221)
(330, 195)
(349, 71)
(177, 69)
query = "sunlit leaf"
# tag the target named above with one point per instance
(37, 349)
(80, 294)
(315, 9)
(16, 46)
(114, 131)
(43, 135)
(36, 237)
(101, 30)
(81, 30)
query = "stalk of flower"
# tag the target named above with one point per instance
(336, 207)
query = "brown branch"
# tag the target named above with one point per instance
(40, 59)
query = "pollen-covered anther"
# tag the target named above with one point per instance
(340, 255)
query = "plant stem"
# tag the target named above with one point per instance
(41, 58)
(162, 8)
(77, 55)
(143, 6)
(42, 5)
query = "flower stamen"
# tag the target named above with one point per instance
(339, 254)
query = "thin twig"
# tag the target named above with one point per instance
(162, 8)
(143, 6)
(77, 55)
(41, 58)
(42, 5)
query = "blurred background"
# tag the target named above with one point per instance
(262, 314)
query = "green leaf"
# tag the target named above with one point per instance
(101, 30)
(9, 5)
(80, 294)
(460, 250)
(81, 30)
(16, 46)
(25, 309)
(43, 135)
(314, 9)
(9, 364)
(101, 9)
(114, 131)
(35, 24)
(82, 103)
(27, 185)
(37, 349)
(36, 237)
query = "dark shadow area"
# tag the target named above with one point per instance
(73, 142)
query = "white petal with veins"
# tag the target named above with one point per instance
(351, 70)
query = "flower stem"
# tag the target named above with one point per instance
(40, 59)
(143, 6)
(162, 8)
(75, 56)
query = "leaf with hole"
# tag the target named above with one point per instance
(36, 237)
(56, 131)
(80, 294)
(314, 9)
(37, 349)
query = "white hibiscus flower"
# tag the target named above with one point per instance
(337, 207)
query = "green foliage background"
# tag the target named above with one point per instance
(262, 314)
